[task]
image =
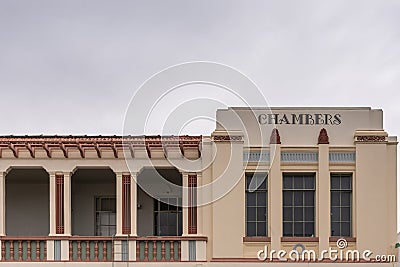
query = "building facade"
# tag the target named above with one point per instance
(266, 182)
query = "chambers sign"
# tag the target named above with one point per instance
(300, 118)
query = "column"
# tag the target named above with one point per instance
(133, 204)
(275, 180)
(67, 203)
(323, 207)
(119, 203)
(126, 204)
(185, 202)
(52, 191)
(192, 204)
(2, 203)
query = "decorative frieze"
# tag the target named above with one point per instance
(257, 156)
(90, 146)
(342, 156)
(227, 138)
(299, 157)
(371, 138)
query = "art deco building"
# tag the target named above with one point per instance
(282, 179)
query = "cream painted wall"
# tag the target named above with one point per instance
(27, 209)
(145, 225)
(301, 135)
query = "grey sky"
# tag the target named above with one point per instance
(70, 67)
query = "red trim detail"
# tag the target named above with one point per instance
(126, 204)
(98, 144)
(59, 204)
(275, 137)
(192, 204)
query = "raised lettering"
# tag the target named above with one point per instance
(319, 119)
(337, 120)
(309, 119)
(284, 119)
(297, 120)
(262, 119)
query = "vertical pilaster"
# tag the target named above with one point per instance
(67, 203)
(192, 205)
(59, 204)
(185, 202)
(323, 224)
(126, 204)
(275, 179)
(52, 191)
(2, 203)
(119, 203)
(133, 204)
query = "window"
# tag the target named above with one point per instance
(105, 216)
(168, 217)
(341, 194)
(299, 205)
(256, 204)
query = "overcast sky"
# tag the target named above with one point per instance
(71, 67)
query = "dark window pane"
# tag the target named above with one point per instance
(179, 223)
(309, 214)
(309, 229)
(287, 229)
(261, 229)
(335, 182)
(251, 229)
(288, 182)
(298, 229)
(309, 182)
(248, 180)
(298, 183)
(345, 214)
(171, 230)
(346, 198)
(335, 229)
(251, 199)
(261, 199)
(172, 219)
(288, 198)
(163, 230)
(287, 214)
(345, 229)
(335, 214)
(298, 214)
(309, 198)
(163, 206)
(251, 214)
(298, 198)
(346, 182)
(335, 198)
(261, 214)
(263, 185)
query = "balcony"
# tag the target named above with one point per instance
(94, 249)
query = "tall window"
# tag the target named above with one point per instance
(168, 217)
(256, 204)
(299, 205)
(105, 216)
(341, 193)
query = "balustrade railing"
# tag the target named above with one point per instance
(23, 249)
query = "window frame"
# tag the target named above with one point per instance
(293, 206)
(341, 190)
(98, 212)
(264, 176)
